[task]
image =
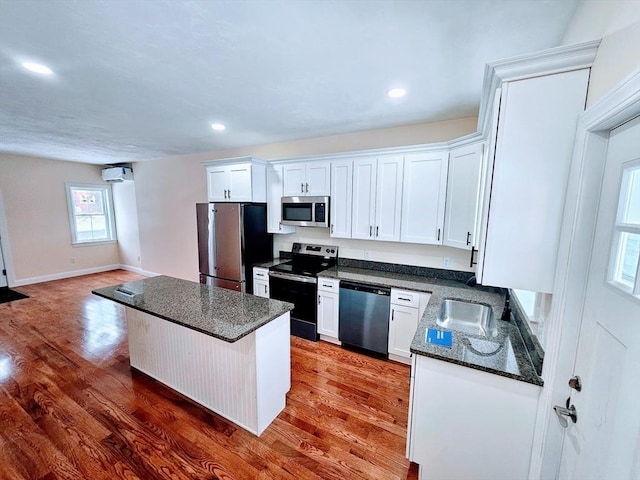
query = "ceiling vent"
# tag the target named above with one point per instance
(117, 174)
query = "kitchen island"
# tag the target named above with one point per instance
(226, 350)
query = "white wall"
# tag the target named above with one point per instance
(617, 22)
(167, 191)
(126, 213)
(37, 220)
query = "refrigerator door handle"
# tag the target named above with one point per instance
(212, 234)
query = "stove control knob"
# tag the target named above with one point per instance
(327, 250)
(333, 250)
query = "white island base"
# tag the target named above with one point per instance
(245, 381)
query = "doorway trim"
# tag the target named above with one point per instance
(576, 243)
(5, 244)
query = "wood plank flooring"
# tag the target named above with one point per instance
(71, 408)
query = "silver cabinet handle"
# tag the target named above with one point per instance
(377, 228)
(302, 188)
(370, 230)
(468, 238)
(306, 187)
(225, 193)
(319, 297)
(266, 290)
(393, 314)
(438, 234)
(229, 194)
(405, 299)
(332, 228)
(328, 286)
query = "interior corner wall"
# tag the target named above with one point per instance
(126, 213)
(617, 23)
(167, 191)
(37, 219)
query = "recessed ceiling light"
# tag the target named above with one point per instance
(218, 127)
(37, 68)
(397, 92)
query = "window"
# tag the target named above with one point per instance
(90, 213)
(625, 253)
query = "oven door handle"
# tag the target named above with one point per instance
(293, 277)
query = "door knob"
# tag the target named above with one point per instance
(564, 412)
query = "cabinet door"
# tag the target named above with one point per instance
(536, 129)
(294, 179)
(364, 198)
(239, 189)
(403, 323)
(318, 179)
(463, 191)
(274, 201)
(260, 288)
(341, 198)
(217, 183)
(388, 199)
(424, 193)
(328, 314)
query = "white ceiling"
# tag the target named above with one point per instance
(141, 79)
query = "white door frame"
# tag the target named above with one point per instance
(6, 245)
(576, 242)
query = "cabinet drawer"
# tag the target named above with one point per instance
(328, 285)
(405, 297)
(261, 273)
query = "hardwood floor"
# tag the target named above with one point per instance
(71, 408)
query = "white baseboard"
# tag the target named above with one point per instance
(138, 270)
(59, 276)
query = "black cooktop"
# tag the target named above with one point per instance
(307, 269)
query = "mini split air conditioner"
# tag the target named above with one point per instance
(117, 174)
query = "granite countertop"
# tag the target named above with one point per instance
(223, 314)
(504, 355)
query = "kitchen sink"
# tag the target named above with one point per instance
(467, 317)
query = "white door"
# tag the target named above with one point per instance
(402, 329)
(388, 198)
(605, 441)
(318, 183)
(341, 194)
(239, 189)
(364, 198)
(218, 183)
(423, 197)
(328, 314)
(294, 176)
(463, 192)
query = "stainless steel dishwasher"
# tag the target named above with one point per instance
(364, 316)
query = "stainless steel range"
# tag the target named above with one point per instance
(296, 281)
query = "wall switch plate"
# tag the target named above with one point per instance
(367, 255)
(446, 261)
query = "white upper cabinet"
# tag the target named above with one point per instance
(463, 192)
(341, 198)
(423, 197)
(377, 198)
(535, 136)
(237, 181)
(307, 179)
(274, 201)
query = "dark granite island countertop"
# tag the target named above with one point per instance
(220, 313)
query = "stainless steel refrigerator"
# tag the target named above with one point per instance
(232, 237)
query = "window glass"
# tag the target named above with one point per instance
(91, 213)
(625, 255)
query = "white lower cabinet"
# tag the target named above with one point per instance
(465, 423)
(261, 282)
(406, 309)
(328, 309)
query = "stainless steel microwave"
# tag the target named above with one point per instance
(305, 211)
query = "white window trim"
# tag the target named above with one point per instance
(109, 214)
(618, 229)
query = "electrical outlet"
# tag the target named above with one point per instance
(73, 260)
(446, 261)
(367, 255)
